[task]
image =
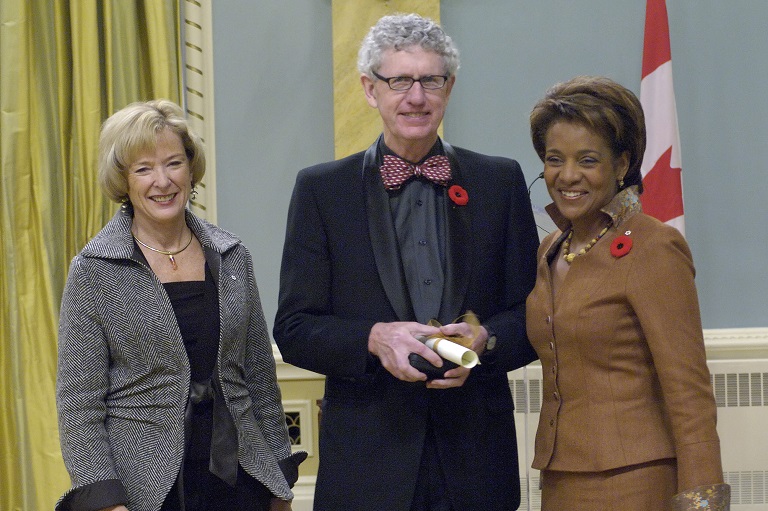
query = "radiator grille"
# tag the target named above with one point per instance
(534, 493)
(730, 389)
(527, 396)
(740, 389)
(748, 487)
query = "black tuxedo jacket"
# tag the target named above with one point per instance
(341, 273)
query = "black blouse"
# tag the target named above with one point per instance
(196, 305)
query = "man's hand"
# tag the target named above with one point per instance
(457, 376)
(393, 342)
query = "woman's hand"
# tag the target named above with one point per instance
(279, 505)
(458, 375)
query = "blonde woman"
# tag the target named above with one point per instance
(167, 395)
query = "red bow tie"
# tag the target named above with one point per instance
(395, 171)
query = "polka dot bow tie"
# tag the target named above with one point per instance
(395, 172)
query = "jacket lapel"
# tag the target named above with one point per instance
(383, 238)
(458, 248)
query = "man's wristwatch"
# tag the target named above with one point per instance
(490, 343)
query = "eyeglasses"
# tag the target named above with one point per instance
(403, 83)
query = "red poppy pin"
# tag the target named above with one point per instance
(621, 245)
(458, 195)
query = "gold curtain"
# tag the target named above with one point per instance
(65, 65)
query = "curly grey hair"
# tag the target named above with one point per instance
(401, 31)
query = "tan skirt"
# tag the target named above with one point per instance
(645, 487)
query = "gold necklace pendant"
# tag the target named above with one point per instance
(569, 256)
(169, 253)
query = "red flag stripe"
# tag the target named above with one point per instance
(663, 184)
(656, 49)
(662, 176)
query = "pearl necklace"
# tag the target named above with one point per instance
(568, 256)
(169, 253)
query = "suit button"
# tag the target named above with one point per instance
(552, 346)
(549, 319)
(554, 394)
(427, 281)
(551, 422)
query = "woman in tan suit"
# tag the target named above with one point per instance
(628, 417)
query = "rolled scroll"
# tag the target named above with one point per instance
(456, 353)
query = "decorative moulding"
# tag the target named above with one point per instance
(736, 343)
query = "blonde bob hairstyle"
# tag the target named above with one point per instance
(129, 132)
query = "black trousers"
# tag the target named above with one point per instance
(204, 491)
(431, 491)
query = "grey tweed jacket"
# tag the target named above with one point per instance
(123, 373)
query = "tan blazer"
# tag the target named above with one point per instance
(622, 354)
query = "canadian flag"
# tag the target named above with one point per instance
(662, 170)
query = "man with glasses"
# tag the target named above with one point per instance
(377, 245)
